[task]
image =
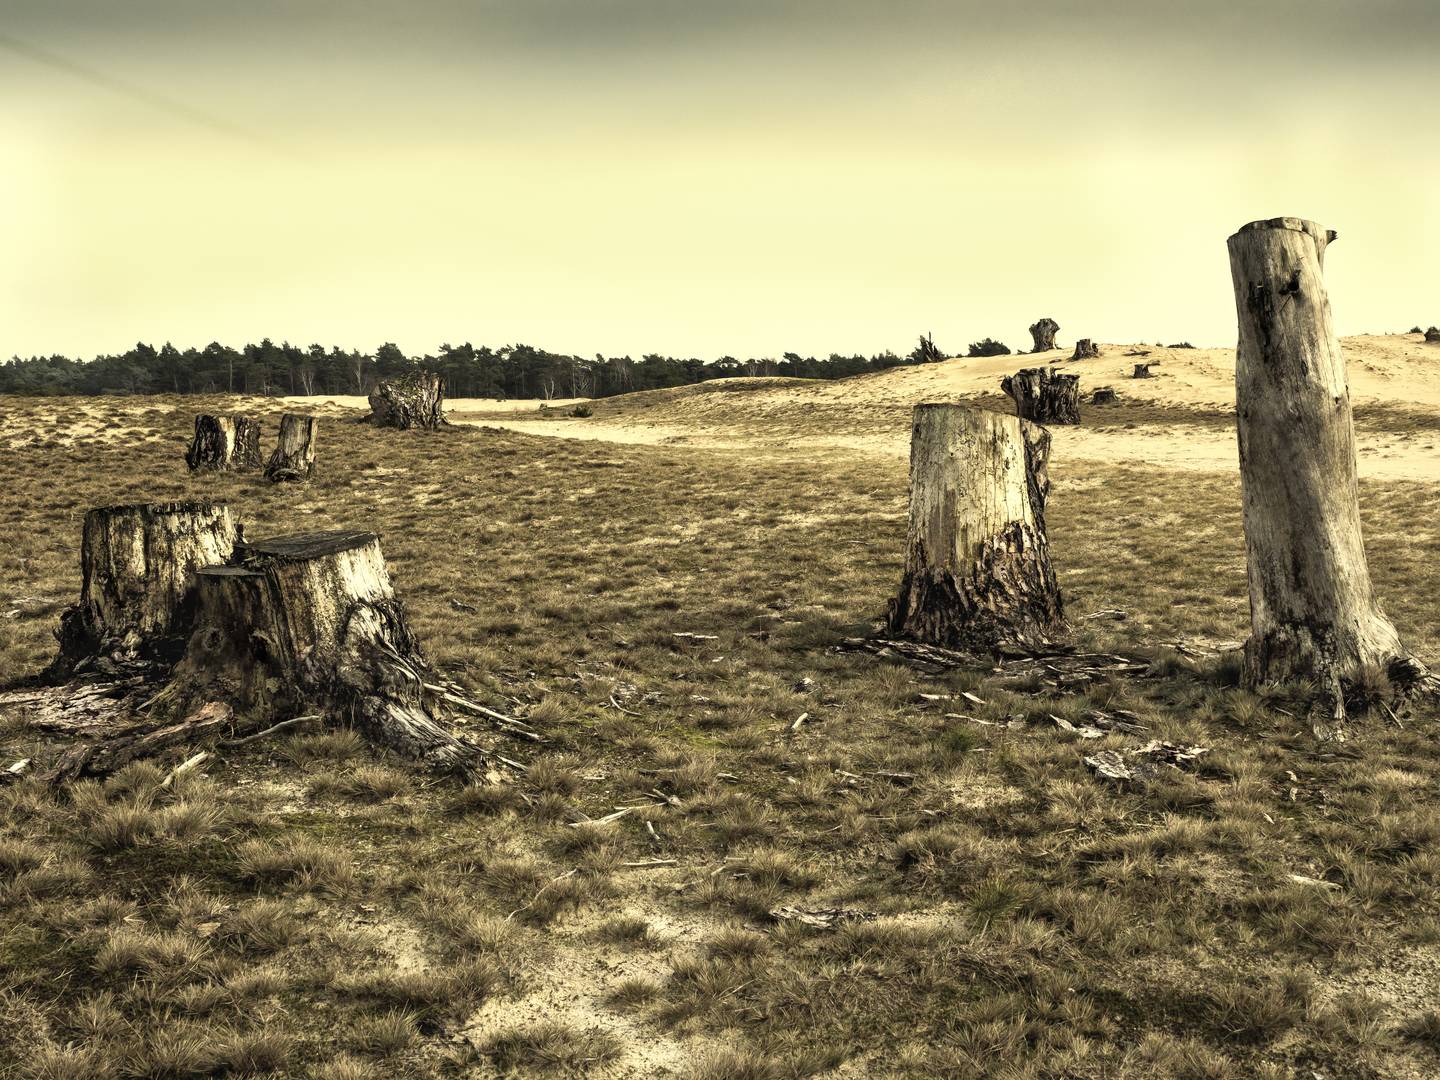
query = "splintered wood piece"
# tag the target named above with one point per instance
(1313, 611)
(224, 444)
(1043, 396)
(977, 571)
(138, 567)
(294, 456)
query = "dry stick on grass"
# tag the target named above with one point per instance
(272, 729)
(553, 881)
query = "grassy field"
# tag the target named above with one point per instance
(310, 907)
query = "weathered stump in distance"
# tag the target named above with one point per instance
(977, 571)
(1432, 336)
(311, 623)
(413, 400)
(224, 444)
(1104, 396)
(138, 567)
(1043, 396)
(1044, 333)
(1313, 612)
(294, 456)
(1085, 349)
(1142, 371)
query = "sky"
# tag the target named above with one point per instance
(700, 177)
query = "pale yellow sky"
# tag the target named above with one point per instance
(697, 179)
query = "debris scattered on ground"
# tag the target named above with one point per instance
(1144, 763)
(821, 918)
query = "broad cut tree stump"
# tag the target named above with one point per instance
(1142, 371)
(1043, 396)
(1104, 396)
(410, 401)
(138, 566)
(294, 456)
(977, 571)
(311, 623)
(1085, 349)
(224, 444)
(1313, 612)
(1432, 336)
(1043, 332)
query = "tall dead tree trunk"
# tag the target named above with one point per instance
(1043, 396)
(294, 456)
(977, 572)
(1085, 349)
(311, 623)
(138, 567)
(1044, 333)
(224, 444)
(1313, 612)
(412, 400)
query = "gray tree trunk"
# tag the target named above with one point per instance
(138, 567)
(412, 400)
(1313, 613)
(1043, 396)
(294, 456)
(224, 444)
(977, 571)
(1044, 332)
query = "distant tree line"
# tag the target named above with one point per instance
(512, 371)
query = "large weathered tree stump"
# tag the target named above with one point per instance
(1313, 612)
(1043, 332)
(224, 444)
(294, 456)
(977, 572)
(1085, 349)
(1043, 396)
(1104, 396)
(138, 567)
(1432, 336)
(1142, 371)
(311, 623)
(410, 401)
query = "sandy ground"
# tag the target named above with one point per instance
(1398, 372)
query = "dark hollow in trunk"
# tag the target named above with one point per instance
(224, 444)
(294, 456)
(311, 623)
(412, 400)
(1085, 349)
(1313, 612)
(138, 567)
(1044, 333)
(977, 570)
(1043, 396)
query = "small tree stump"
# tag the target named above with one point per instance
(1313, 612)
(1085, 349)
(1104, 396)
(1142, 371)
(412, 400)
(224, 444)
(1043, 396)
(311, 623)
(1044, 333)
(294, 456)
(138, 567)
(1433, 335)
(977, 571)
